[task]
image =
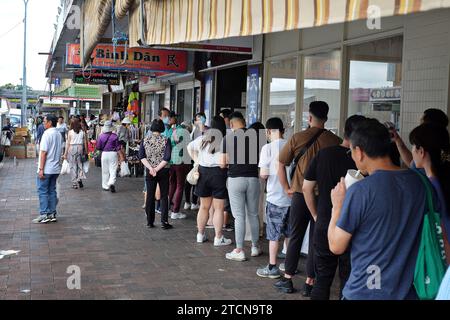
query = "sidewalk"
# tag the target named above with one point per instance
(105, 235)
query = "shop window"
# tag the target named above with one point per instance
(322, 74)
(375, 80)
(283, 92)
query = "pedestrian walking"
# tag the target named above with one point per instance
(76, 152)
(301, 149)
(211, 186)
(108, 143)
(49, 168)
(155, 153)
(324, 173)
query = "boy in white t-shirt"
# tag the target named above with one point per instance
(278, 202)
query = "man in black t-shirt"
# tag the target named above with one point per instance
(240, 153)
(325, 172)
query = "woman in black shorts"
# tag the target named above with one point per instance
(211, 186)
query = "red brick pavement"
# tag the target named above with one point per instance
(105, 235)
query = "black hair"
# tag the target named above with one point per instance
(237, 115)
(217, 124)
(60, 117)
(257, 126)
(372, 137)
(351, 124)
(319, 109)
(53, 119)
(200, 114)
(435, 116)
(162, 110)
(435, 140)
(226, 113)
(275, 124)
(158, 126)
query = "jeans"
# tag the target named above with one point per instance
(177, 180)
(325, 264)
(162, 178)
(299, 219)
(48, 199)
(244, 193)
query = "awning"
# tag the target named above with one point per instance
(168, 22)
(175, 21)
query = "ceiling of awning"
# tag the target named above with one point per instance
(177, 21)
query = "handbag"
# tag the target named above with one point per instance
(431, 261)
(294, 164)
(193, 175)
(98, 156)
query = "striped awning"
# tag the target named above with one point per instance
(177, 21)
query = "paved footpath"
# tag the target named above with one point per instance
(105, 235)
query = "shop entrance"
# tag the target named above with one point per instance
(232, 89)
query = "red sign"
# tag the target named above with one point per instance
(134, 59)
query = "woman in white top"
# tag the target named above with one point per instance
(76, 150)
(211, 186)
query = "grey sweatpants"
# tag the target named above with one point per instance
(244, 194)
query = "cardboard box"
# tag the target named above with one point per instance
(31, 151)
(18, 141)
(21, 132)
(20, 152)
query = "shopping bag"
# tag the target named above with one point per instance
(65, 168)
(431, 261)
(86, 167)
(124, 170)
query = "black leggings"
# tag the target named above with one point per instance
(162, 178)
(299, 219)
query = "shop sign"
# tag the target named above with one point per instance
(253, 87)
(386, 94)
(132, 59)
(208, 97)
(97, 78)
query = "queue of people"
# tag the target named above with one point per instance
(372, 226)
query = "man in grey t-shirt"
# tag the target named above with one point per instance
(48, 170)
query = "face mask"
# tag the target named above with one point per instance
(166, 120)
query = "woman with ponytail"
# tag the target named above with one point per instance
(431, 152)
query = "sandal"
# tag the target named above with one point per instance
(75, 186)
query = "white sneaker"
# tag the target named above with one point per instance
(175, 216)
(256, 252)
(195, 207)
(187, 206)
(201, 238)
(222, 242)
(236, 256)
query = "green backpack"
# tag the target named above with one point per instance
(431, 261)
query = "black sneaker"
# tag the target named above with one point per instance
(150, 226)
(112, 189)
(80, 184)
(166, 226)
(307, 289)
(285, 285)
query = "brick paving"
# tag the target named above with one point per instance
(105, 235)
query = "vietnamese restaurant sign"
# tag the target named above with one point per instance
(131, 59)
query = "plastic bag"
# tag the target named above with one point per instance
(124, 170)
(65, 168)
(86, 167)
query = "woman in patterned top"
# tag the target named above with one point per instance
(155, 154)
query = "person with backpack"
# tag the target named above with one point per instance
(381, 217)
(299, 151)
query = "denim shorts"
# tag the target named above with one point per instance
(277, 222)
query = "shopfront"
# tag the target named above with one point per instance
(392, 74)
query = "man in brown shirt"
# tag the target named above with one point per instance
(300, 217)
